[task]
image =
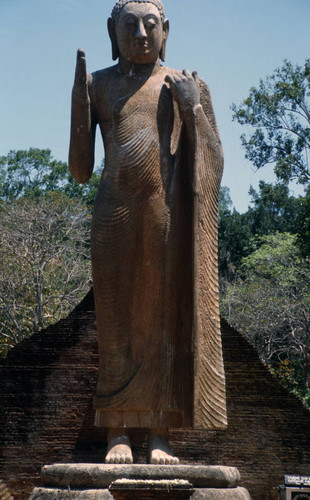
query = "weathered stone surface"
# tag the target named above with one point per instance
(144, 482)
(221, 494)
(104, 494)
(154, 484)
(101, 475)
(66, 494)
(175, 489)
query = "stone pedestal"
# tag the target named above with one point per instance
(127, 489)
(139, 482)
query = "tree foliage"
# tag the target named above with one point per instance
(44, 263)
(234, 236)
(271, 209)
(279, 112)
(34, 172)
(270, 302)
(44, 242)
(303, 225)
(264, 278)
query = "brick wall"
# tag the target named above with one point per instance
(46, 388)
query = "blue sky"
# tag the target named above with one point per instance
(231, 43)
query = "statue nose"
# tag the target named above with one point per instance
(141, 33)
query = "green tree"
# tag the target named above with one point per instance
(279, 112)
(303, 225)
(44, 263)
(234, 237)
(270, 303)
(225, 202)
(273, 209)
(30, 173)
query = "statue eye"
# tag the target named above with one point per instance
(130, 21)
(150, 24)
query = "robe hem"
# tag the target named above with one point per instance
(140, 419)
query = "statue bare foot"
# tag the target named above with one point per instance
(119, 448)
(158, 448)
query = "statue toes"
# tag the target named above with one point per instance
(155, 458)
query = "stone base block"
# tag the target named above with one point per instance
(150, 489)
(199, 494)
(139, 482)
(221, 494)
(102, 475)
(66, 494)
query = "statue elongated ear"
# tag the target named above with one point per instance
(112, 34)
(162, 53)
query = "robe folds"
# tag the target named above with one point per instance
(154, 258)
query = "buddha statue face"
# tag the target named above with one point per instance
(139, 35)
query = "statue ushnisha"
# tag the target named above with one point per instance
(154, 236)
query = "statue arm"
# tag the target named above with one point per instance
(204, 158)
(200, 123)
(194, 101)
(83, 125)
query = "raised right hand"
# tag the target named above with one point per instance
(80, 87)
(184, 88)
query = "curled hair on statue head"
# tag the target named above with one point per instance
(121, 3)
(112, 21)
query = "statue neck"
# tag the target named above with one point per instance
(138, 70)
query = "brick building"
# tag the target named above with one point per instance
(46, 387)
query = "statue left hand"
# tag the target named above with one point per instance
(184, 89)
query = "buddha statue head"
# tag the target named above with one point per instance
(138, 30)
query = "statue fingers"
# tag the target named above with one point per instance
(175, 78)
(80, 53)
(168, 79)
(80, 72)
(173, 81)
(186, 73)
(195, 76)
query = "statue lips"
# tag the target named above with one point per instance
(141, 44)
(141, 47)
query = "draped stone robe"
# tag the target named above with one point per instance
(154, 257)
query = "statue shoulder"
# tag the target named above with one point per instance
(100, 84)
(171, 71)
(101, 78)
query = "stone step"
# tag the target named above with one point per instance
(149, 489)
(199, 494)
(68, 494)
(102, 475)
(139, 482)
